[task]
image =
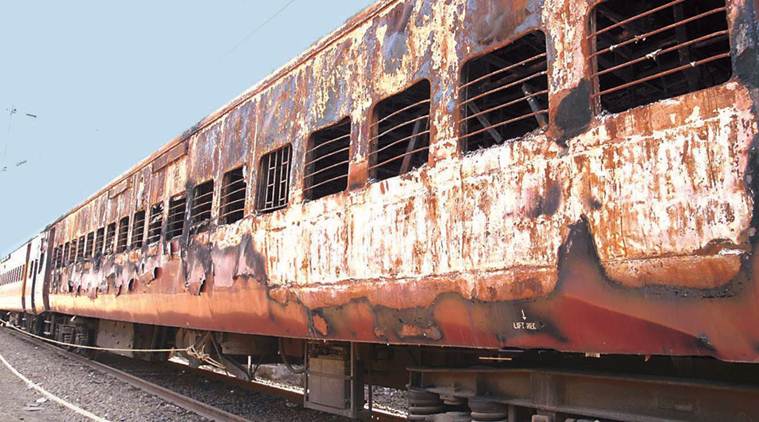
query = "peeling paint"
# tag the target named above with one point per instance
(610, 230)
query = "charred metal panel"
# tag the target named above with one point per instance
(170, 156)
(611, 233)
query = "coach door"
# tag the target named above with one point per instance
(25, 275)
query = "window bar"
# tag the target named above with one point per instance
(398, 142)
(123, 237)
(72, 252)
(504, 87)
(274, 183)
(283, 172)
(156, 223)
(110, 236)
(90, 245)
(397, 157)
(504, 105)
(66, 253)
(329, 142)
(328, 155)
(402, 110)
(80, 248)
(271, 172)
(503, 70)
(99, 241)
(637, 17)
(675, 48)
(233, 196)
(663, 73)
(652, 56)
(138, 229)
(649, 34)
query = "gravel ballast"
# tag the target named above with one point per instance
(92, 390)
(108, 397)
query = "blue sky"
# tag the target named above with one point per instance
(111, 82)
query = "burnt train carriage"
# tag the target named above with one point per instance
(486, 175)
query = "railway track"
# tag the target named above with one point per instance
(138, 374)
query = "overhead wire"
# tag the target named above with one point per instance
(260, 26)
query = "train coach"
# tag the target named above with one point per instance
(519, 210)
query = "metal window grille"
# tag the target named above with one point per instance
(110, 236)
(233, 193)
(274, 180)
(504, 94)
(90, 245)
(58, 257)
(327, 156)
(643, 52)
(72, 252)
(80, 249)
(401, 132)
(138, 229)
(175, 219)
(99, 241)
(156, 223)
(202, 203)
(66, 253)
(123, 238)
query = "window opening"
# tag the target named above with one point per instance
(66, 254)
(175, 219)
(156, 223)
(90, 245)
(123, 237)
(648, 51)
(99, 241)
(327, 156)
(401, 134)
(233, 196)
(274, 180)
(504, 94)
(80, 249)
(202, 203)
(110, 236)
(138, 229)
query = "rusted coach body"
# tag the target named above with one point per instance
(601, 231)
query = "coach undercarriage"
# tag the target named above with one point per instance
(442, 384)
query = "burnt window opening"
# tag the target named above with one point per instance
(90, 245)
(80, 249)
(138, 229)
(99, 241)
(274, 180)
(156, 223)
(648, 51)
(233, 196)
(504, 94)
(175, 219)
(400, 132)
(66, 254)
(327, 156)
(72, 252)
(58, 257)
(123, 238)
(202, 203)
(110, 236)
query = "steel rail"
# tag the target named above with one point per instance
(170, 396)
(188, 403)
